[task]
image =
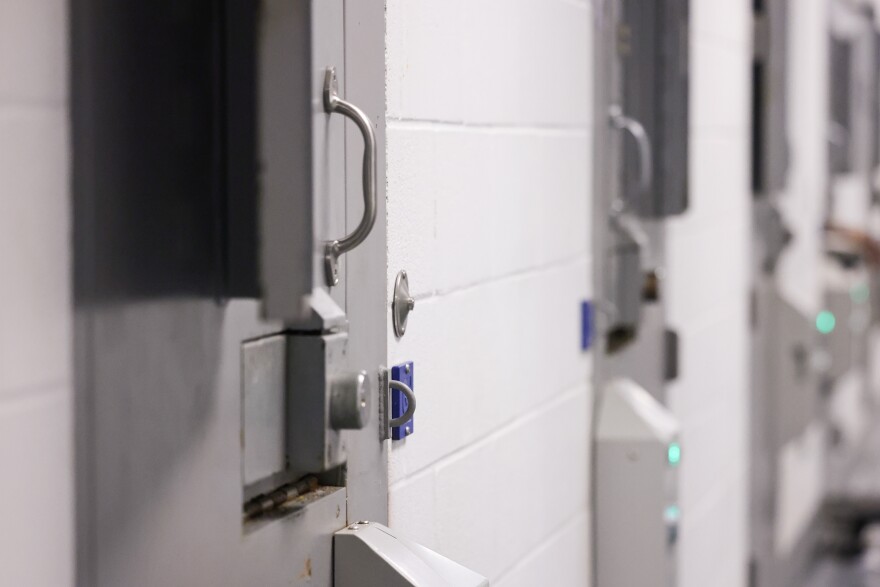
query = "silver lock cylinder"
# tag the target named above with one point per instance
(323, 400)
(349, 401)
(298, 399)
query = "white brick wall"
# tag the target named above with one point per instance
(489, 154)
(36, 454)
(708, 269)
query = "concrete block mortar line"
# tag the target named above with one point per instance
(525, 128)
(559, 529)
(15, 394)
(435, 295)
(585, 4)
(498, 432)
(17, 104)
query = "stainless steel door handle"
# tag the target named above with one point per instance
(334, 249)
(638, 133)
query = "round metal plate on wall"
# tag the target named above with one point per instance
(402, 304)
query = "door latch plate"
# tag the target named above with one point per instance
(403, 373)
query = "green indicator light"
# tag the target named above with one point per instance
(673, 454)
(672, 513)
(860, 293)
(825, 322)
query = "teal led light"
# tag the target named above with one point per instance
(673, 454)
(671, 513)
(825, 322)
(860, 293)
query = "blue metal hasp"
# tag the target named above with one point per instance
(403, 373)
(586, 325)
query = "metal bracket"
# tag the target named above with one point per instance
(405, 404)
(402, 402)
(402, 304)
(397, 403)
(384, 405)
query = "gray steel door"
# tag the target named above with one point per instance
(629, 42)
(207, 179)
(301, 152)
(640, 172)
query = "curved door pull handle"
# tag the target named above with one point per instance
(635, 128)
(334, 249)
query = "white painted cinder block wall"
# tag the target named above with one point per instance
(36, 441)
(488, 167)
(489, 175)
(708, 275)
(486, 213)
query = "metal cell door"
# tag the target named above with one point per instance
(640, 170)
(784, 382)
(225, 283)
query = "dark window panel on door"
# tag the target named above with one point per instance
(654, 48)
